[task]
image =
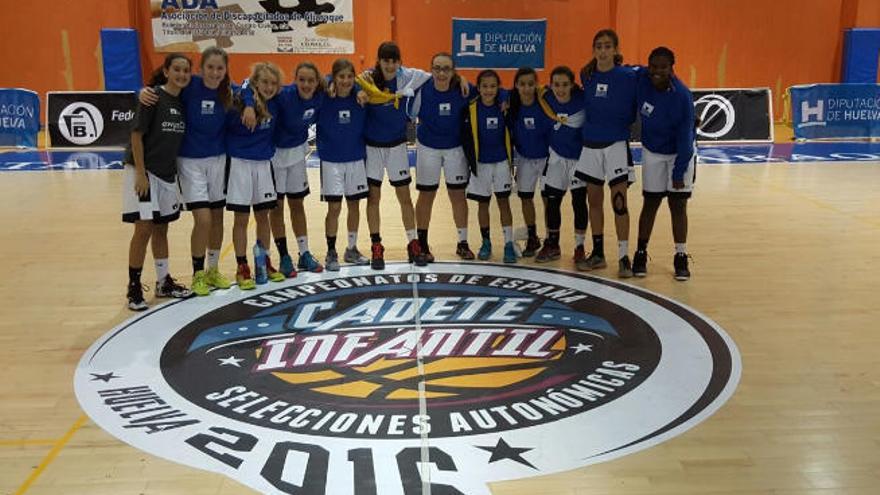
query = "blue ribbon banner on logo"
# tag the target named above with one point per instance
(835, 111)
(19, 117)
(498, 44)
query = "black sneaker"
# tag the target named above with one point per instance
(377, 260)
(533, 244)
(414, 252)
(463, 250)
(170, 288)
(136, 297)
(640, 264)
(681, 266)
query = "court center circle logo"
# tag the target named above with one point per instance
(363, 382)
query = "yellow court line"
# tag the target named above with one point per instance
(25, 442)
(51, 455)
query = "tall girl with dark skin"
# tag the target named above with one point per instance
(150, 196)
(530, 131)
(610, 105)
(668, 158)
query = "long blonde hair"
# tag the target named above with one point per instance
(259, 70)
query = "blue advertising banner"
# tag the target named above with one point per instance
(835, 111)
(19, 117)
(498, 43)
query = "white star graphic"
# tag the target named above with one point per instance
(581, 348)
(231, 360)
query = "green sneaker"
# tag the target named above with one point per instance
(244, 278)
(274, 275)
(200, 286)
(216, 279)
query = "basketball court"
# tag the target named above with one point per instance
(757, 376)
(784, 262)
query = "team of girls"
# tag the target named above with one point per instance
(245, 149)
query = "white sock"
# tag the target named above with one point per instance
(622, 249)
(681, 247)
(411, 235)
(508, 233)
(462, 235)
(213, 258)
(352, 240)
(303, 243)
(161, 269)
(579, 239)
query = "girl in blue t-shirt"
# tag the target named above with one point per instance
(439, 105)
(299, 104)
(250, 185)
(610, 104)
(565, 105)
(530, 131)
(487, 148)
(341, 147)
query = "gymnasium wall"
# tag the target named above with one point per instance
(54, 45)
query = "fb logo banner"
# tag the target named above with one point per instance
(498, 44)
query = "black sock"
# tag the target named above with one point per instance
(599, 245)
(134, 275)
(642, 245)
(553, 237)
(533, 231)
(198, 263)
(484, 231)
(375, 238)
(241, 260)
(331, 243)
(281, 243)
(423, 238)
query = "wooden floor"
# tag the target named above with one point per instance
(786, 260)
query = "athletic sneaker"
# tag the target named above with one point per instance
(429, 256)
(332, 261)
(681, 266)
(286, 268)
(485, 251)
(308, 263)
(550, 252)
(216, 279)
(273, 274)
(509, 252)
(579, 254)
(624, 267)
(463, 251)
(135, 296)
(377, 262)
(244, 278)
(170, 288)
(533, 244)
(353, 256)
(640, 264)
(593, 262)
(414, 253)
(200, 286)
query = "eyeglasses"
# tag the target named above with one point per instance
(442, 70)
